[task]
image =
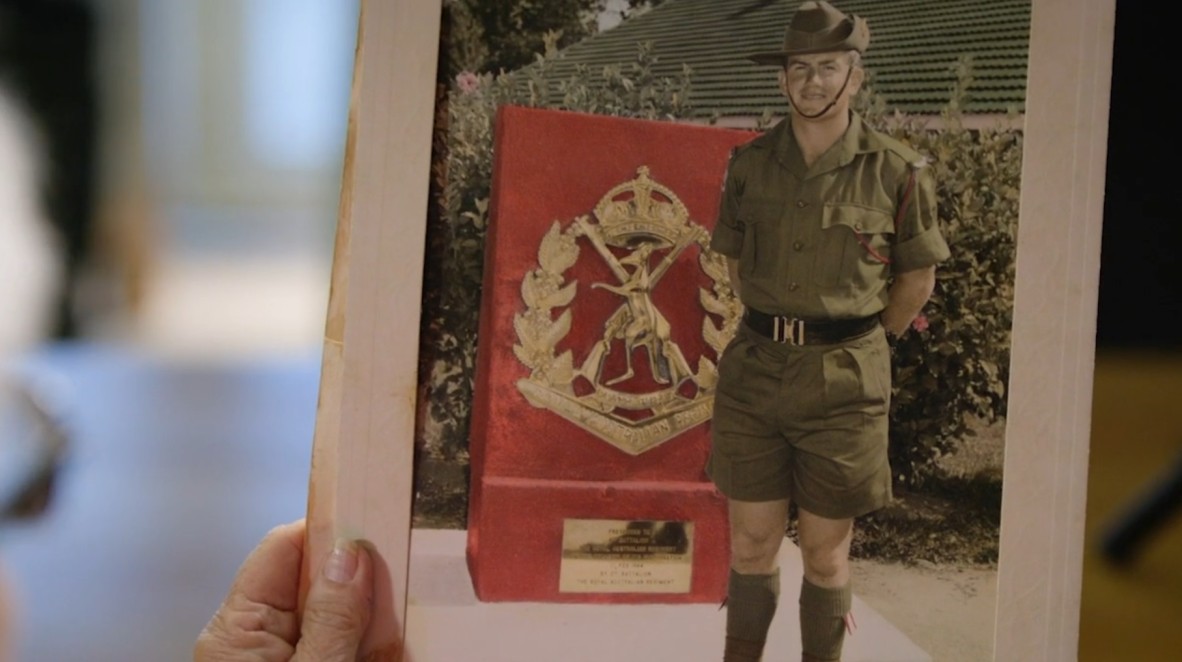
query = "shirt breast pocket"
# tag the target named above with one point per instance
(760, 251)
(855, 247)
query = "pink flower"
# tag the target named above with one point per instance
(920, 323)
(467, 81)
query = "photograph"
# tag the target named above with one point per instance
(953, 370)
(946, 84)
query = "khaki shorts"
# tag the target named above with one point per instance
(806, 423)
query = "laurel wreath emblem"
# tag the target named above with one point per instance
(545, 289)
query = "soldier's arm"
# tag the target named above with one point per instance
(727, 237)
(732, 270)
(918, 241)
(918, 249)
(906, 298)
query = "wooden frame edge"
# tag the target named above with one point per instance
(1055, 308)
(363, 451)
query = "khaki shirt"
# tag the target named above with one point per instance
(798, 232)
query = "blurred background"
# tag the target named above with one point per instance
(1131, 608)
(189, 159)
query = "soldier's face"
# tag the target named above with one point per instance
(812, 81)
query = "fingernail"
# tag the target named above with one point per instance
(342, 563)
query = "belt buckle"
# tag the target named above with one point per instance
(787, 330)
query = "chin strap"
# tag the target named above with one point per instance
(824, 110)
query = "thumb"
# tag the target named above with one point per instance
(338, 607)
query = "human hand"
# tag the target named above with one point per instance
(258, 619)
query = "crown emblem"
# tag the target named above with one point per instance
(641, 209)
(643, 229)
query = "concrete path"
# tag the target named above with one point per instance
(446, 623)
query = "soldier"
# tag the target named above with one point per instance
(830, 234)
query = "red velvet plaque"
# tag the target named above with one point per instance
(602, 319)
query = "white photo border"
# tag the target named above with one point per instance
(1054, 334)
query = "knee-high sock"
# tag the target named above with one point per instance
(750, 605)
(822, 624)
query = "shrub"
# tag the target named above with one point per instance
(953, 367)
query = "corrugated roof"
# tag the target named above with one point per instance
(914, 45)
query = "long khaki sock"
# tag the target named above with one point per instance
(750, 606)
(822, 624)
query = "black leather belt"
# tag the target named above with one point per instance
(792, 331)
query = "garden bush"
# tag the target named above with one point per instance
(952, 370)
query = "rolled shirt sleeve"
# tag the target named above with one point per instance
(919, 243)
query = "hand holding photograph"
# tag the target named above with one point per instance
(624, 326)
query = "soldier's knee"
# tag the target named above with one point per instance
(823, 564)
(754, 552)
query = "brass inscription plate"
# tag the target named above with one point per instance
(622, 556)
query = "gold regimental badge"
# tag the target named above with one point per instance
(649, 229)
